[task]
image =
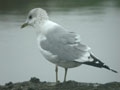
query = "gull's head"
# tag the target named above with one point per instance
(35, 16)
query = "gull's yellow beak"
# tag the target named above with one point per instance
(24, 25)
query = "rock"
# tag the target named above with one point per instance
(9, 85)
(34, 80)
(35, 84)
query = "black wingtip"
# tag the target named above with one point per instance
(105, 66)
(100, 64)
(114, 71)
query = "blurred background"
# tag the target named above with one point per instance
(97, 21)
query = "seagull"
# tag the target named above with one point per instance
(60, 46)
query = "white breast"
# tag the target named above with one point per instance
(48, 25)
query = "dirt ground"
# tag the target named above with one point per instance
(35, 84)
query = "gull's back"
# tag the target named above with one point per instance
(64, 44)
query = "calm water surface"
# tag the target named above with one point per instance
(98, 23)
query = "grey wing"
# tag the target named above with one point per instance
(66, 45)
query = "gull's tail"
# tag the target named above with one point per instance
(97, 63)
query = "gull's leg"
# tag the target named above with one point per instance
(56, 70)
(65, 74)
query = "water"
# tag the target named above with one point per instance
(97, 21)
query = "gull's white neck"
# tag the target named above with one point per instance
(44, 27)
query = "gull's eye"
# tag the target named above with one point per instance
(30, 17)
